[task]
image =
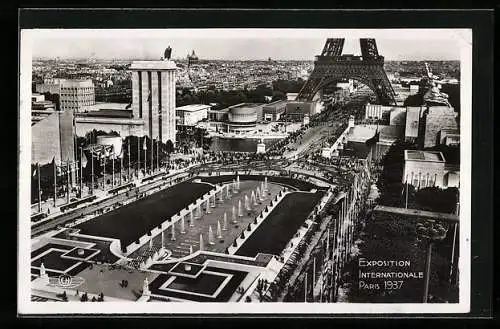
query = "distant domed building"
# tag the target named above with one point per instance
(192, 59)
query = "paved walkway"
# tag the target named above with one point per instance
(191, 238)
(310, 141)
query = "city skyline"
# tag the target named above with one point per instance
(64, 44)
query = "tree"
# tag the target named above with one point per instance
(414, 100)
(169, 147)
(453, 92)
(278, 95)
(437, 199)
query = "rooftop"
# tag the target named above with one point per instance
(429, 156)
(68, 83)
(108, 113)
(450, 131)
(245, 105)
(224, 110)
(43, 103)
(192, 107)
(419, 214)
(360, 133)
(278, 102)
(153, 65)
(107, 106)
(77, 83)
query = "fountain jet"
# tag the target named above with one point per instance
(254, 198)
(198, 211)
(208, 206)
(210, 235)
(224, 223)
(219, 231)
(240, 211)
(233, 219)
(173, 232)
(183, 225)
(191, 222)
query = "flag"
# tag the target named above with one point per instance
(144, 146)
(84, 160)
(57, 170)
(122, 152)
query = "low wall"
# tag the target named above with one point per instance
(260, 218)
(337, 145)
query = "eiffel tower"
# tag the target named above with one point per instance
(331, 66)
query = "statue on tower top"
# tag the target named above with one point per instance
(168, 53)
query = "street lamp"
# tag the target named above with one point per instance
(430, 232)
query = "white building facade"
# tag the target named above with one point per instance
(428, 169)
(190, 115)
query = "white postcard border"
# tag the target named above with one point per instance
(27, 307)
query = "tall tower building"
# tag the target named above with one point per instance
(153, 97)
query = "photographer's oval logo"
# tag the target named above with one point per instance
(65, 280)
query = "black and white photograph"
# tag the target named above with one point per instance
(315, 170)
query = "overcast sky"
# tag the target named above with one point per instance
(231, 44)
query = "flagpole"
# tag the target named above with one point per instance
(452, 263)
(145, 155)
(39, 190)
(158, 154)
(67, 181)
(81, 171)
(128, 170)
(332, 257)
(138, 155)
(121, 166)
(55, 180)
(152, 154)
(314, 275)
(406, 201)
(321, 292)
(113, 169)
(305, 289)
(104, 173)
(92, 165)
